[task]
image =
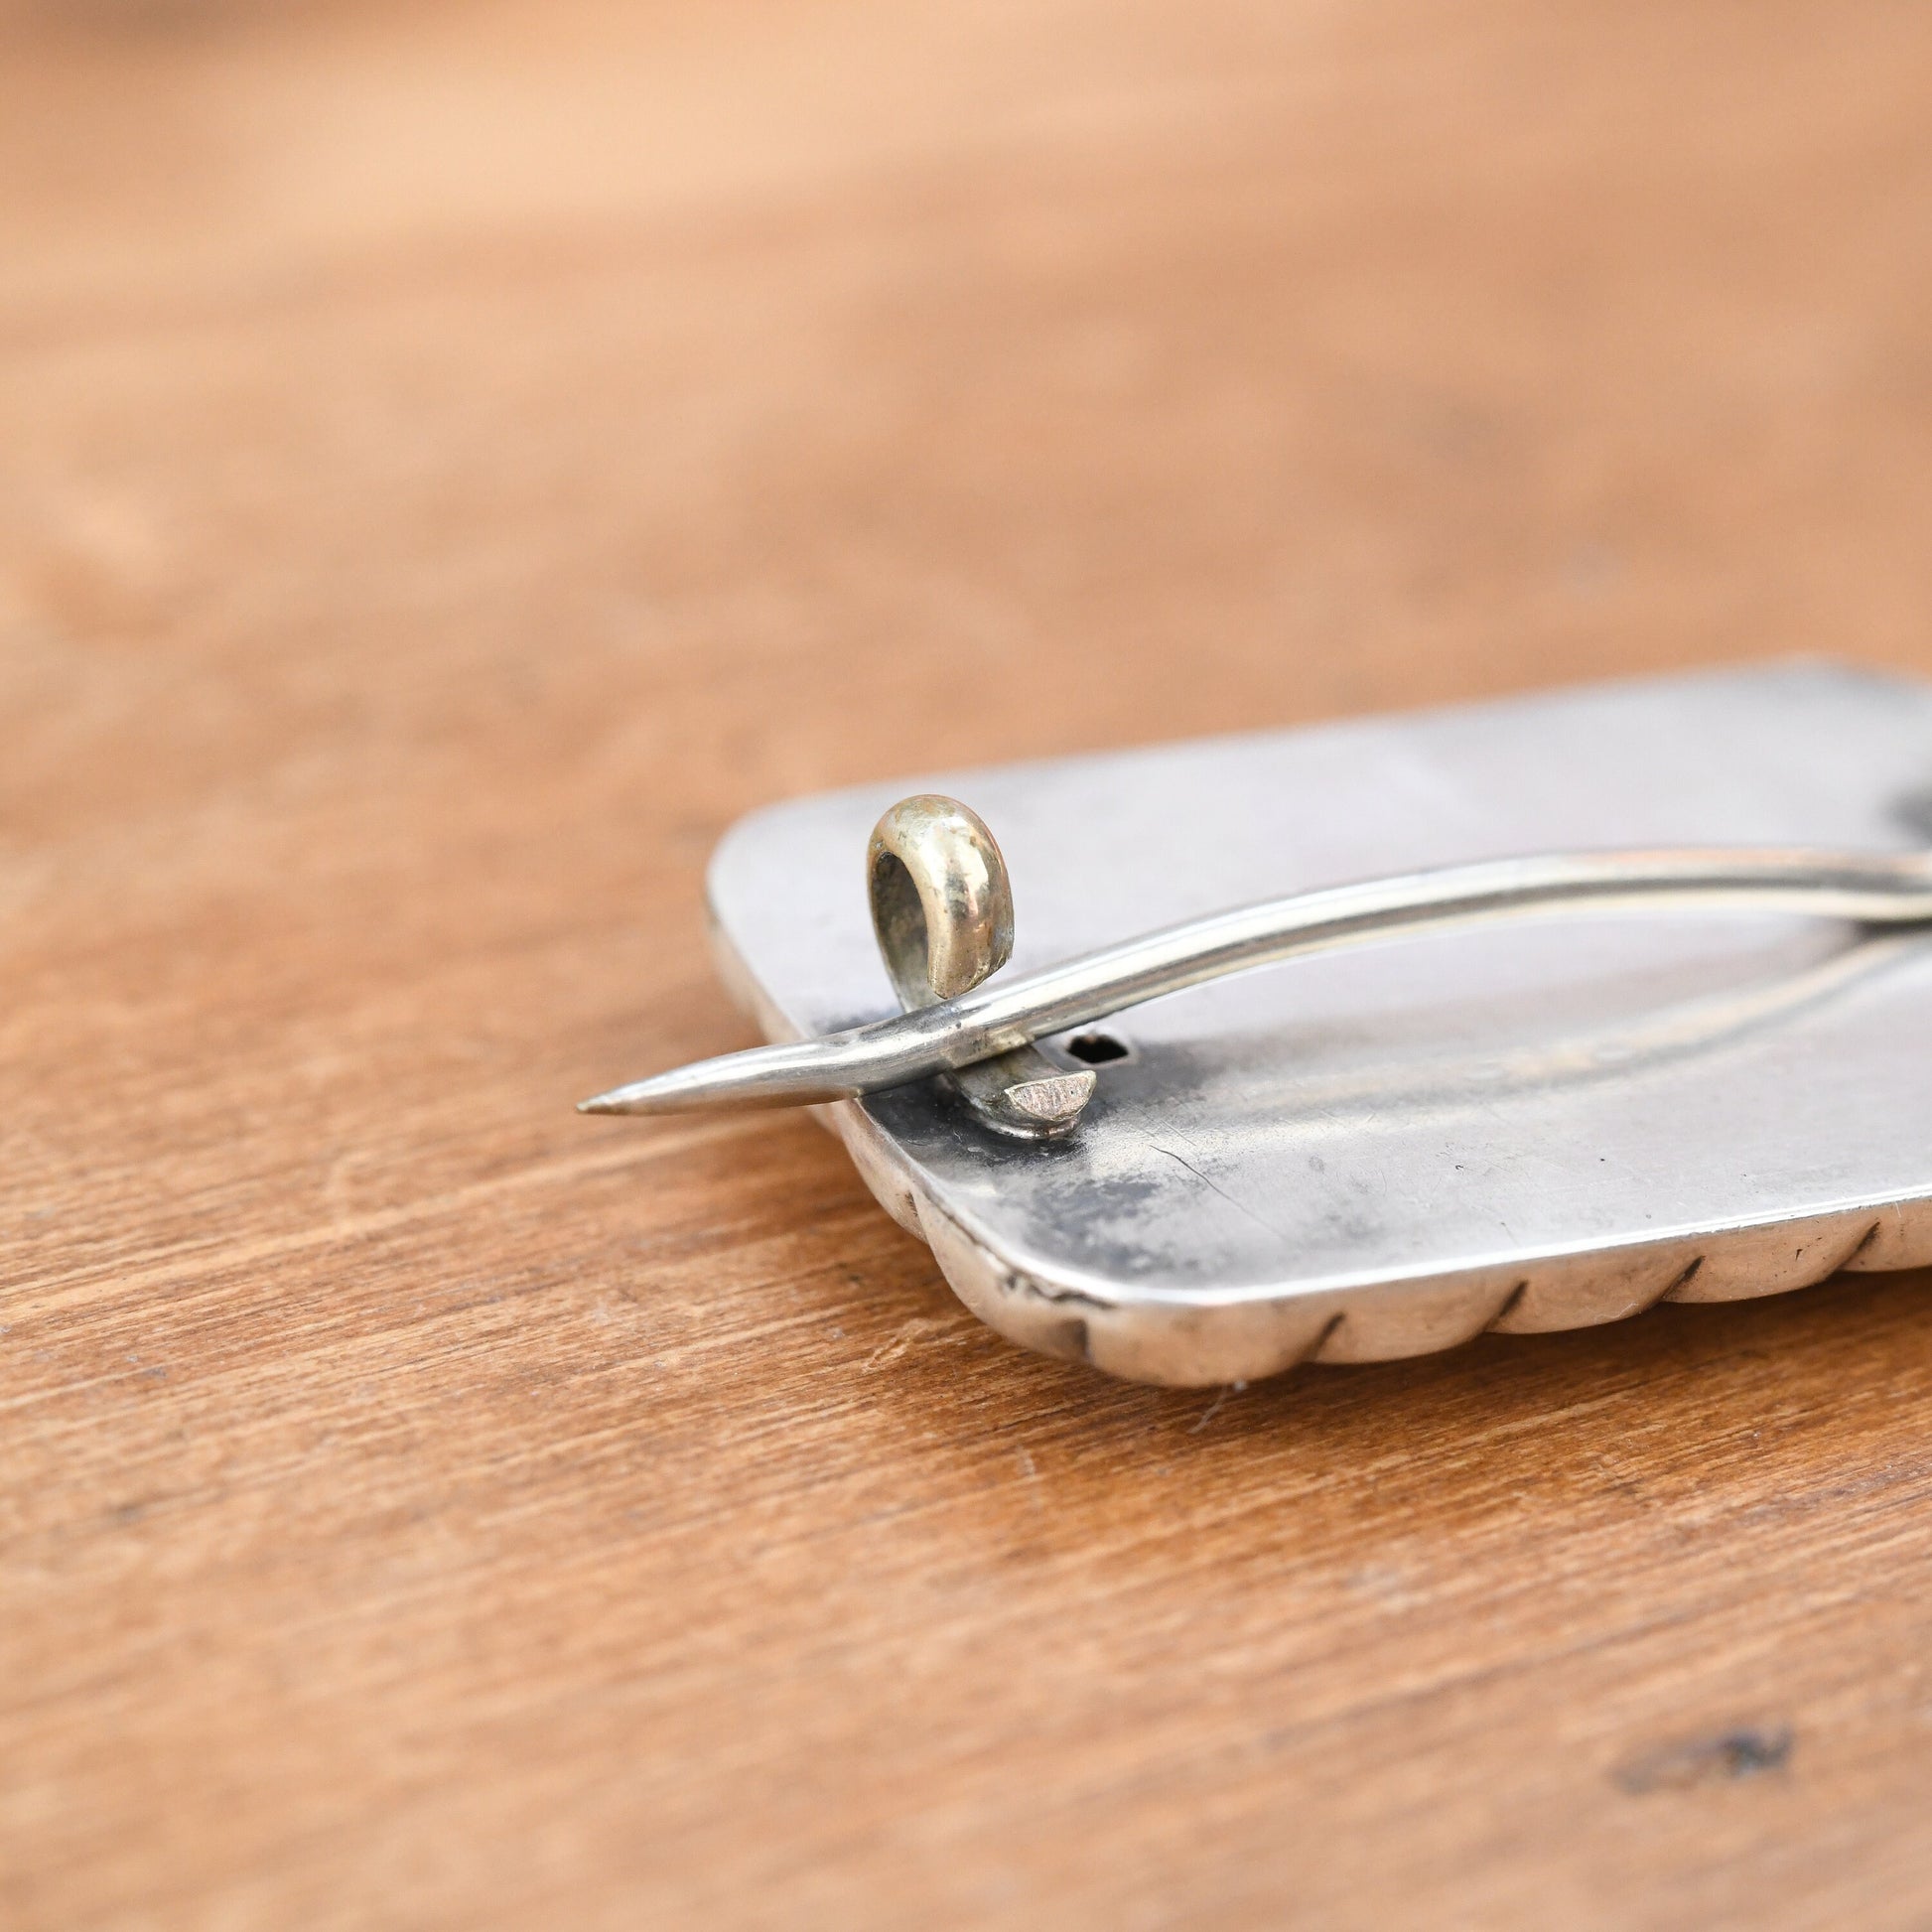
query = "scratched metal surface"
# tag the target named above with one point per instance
(1378, 1153)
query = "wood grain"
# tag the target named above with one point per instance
(455, 458)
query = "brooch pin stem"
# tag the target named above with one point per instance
(942, 912)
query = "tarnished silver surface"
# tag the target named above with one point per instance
(1379, 1153)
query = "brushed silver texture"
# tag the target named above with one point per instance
(1381, 1152)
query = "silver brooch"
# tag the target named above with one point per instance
(1195, 1118)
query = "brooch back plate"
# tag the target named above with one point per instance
(1383, 1153)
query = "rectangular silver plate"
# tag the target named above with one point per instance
(1383, 1153)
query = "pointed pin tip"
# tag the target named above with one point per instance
(766, 1077)
(602, 1103)
(665, 1093)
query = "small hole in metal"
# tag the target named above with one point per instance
(1096, 1049)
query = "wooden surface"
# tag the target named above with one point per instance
(452, 460)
